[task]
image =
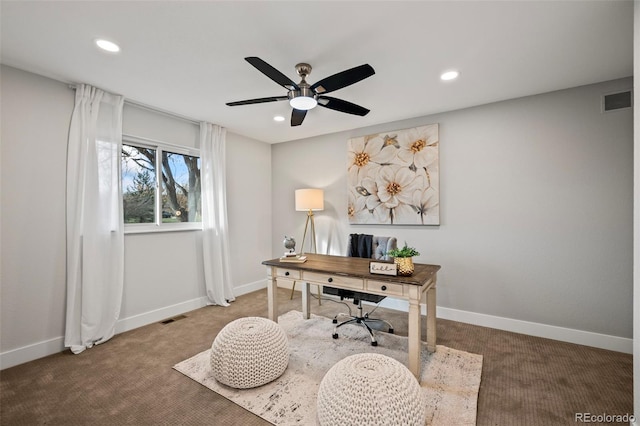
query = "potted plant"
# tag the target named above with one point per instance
(403, 258)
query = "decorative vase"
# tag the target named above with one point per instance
(405, 265)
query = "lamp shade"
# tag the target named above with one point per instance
(309, 199)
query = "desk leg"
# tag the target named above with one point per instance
(431, 319)
(306, 301)
(272, 296)
(414, 345)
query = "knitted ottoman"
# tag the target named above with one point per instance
(249, 352)
(370, 389)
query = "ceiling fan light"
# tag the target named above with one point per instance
(303, 103)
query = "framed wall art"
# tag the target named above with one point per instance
(393, 177)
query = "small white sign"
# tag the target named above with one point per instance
(383, 268)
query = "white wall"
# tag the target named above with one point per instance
(536, 210)
(249, 208)
(536, 213)
(36, 113)
(144, 122)
(163, 271)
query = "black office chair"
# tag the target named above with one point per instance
(368, 246)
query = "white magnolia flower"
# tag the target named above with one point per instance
(419, 147)
(365, 154)
(397, 184)
(427, 203)
(395, 188)
(357, 206)
(378, 212)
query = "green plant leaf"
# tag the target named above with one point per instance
(405, 251)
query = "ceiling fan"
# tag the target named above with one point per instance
(303, 96)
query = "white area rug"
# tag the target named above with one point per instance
(450, 378)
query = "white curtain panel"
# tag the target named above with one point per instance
(95, 241)
(215, 228)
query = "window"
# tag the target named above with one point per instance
(160, 186)
(138, 184)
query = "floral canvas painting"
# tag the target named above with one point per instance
(393, 177)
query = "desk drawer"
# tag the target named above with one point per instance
(288, 273)
(382, 287)
(336, 280)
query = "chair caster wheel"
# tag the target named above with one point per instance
(335, 335)
(335, 321)
(391, 331)
(374, 343)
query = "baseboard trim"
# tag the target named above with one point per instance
(31, 352)
(580, 337)
(52, 346)
(55, 345)
(250, 287)
(38, 350)
(569, 335)
(136, 321)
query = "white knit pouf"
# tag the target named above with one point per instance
(370, 389)
(249, 352)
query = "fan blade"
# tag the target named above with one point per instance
(272, 73)
(258, 101)
(343, 79)
(342, 105)
(297, 116)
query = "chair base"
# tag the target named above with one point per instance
(361, 319)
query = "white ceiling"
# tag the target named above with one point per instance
(187, 57)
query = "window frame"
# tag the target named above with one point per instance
(159, 147)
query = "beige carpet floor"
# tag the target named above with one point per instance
(449, 378)
(129, 380)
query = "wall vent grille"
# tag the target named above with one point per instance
(170, 320)
(617, 101)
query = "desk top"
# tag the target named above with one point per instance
(354, 267)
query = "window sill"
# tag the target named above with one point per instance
(152, 229)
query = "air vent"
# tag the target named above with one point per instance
(616, 101)
(170, 320)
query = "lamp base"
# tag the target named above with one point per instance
(312, 237)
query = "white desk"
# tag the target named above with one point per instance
(352, 273)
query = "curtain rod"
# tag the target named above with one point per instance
(153, 109)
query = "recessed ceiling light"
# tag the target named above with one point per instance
(278, 118)
(449, 75)
(107, 45)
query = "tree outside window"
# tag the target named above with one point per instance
(177, 199)
(181, 188)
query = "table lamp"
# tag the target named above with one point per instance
(309, 200)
